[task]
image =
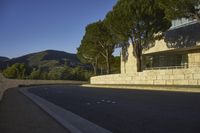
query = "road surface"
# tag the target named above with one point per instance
(128, 111)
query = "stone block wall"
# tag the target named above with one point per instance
(153, 77)
(128, 66)
(194, 59)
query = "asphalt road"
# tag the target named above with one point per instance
(129, 111)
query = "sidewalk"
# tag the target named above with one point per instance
(175, 88)
(20, 115)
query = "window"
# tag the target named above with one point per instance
(163, 61)
(181, 22)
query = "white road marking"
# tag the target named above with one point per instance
(88, 103)
(108, 101)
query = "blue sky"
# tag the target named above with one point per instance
(28, 26)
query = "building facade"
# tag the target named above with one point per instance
(174, 60)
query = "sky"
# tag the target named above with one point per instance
(28, 26)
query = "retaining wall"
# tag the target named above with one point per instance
(153, 77)
(12, 83)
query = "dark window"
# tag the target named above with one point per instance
(165, 61)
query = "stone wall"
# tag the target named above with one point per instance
(12, 83)
(128, 66)
(194, 60)
(153, 77)
(186, 76)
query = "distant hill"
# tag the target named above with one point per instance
(48, 58)
(3, 58)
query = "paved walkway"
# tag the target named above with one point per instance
(20, 115)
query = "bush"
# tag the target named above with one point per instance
(17, 70)
(36, 74)
(10, 73)
(59, 73)
(79, 73)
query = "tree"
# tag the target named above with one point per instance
(10, 73)
(98, 42)
(106, 42)
(176, 9)
(36, 74)
(88, 52)
(66, 73)
(140, 21)
(115, 68)
(17, 70)
(60, 73)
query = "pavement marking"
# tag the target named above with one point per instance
(98, 102)
(108, 101)
(69, 120)
(88, 103)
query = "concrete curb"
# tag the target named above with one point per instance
(71, 121)
(188, 89)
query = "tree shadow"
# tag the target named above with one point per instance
(183, 37)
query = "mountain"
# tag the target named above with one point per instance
(48, 58)
(3, 58)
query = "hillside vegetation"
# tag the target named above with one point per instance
(49, 64)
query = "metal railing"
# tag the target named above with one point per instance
(168, 67)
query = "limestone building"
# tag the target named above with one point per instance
(174, 60)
